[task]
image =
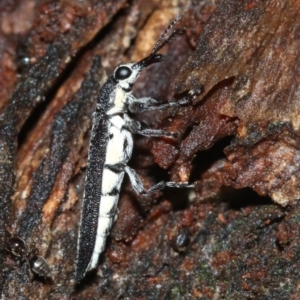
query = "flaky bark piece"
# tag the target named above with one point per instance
(246, 63)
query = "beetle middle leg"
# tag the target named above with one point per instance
(136, 127)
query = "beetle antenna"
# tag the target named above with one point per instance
(161, 42)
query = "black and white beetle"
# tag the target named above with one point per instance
(38, 264)
(110, 150)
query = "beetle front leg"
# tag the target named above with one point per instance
(137, 106)
(147, 103)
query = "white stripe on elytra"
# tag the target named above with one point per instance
(110, 180)
(107, 205)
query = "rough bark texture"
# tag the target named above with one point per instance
(235, 236)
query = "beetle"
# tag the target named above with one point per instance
(110, 149)
(37, 264)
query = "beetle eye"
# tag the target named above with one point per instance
(123, 73)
